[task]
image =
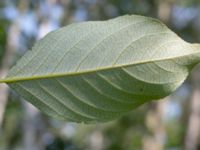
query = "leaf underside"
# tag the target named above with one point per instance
(96, 71)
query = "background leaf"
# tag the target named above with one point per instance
(97, 71)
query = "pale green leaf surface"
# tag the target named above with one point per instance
(96, 71)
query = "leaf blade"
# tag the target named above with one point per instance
(98, 71)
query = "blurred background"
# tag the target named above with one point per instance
(169, 124)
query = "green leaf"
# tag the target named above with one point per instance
(96, 71)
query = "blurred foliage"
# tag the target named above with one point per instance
(13, 123)
(175, 134)
(3, 35)
(139, 7)
(190, 3)
(127, 132)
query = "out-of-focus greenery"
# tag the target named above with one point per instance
(13, 123)
(3, 25)
(139, 7)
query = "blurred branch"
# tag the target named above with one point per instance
(165, 9)
(6, 63)
(154, 122)
(32, 136)
(3, 99)
(193, 131)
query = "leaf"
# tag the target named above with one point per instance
(99, 70)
